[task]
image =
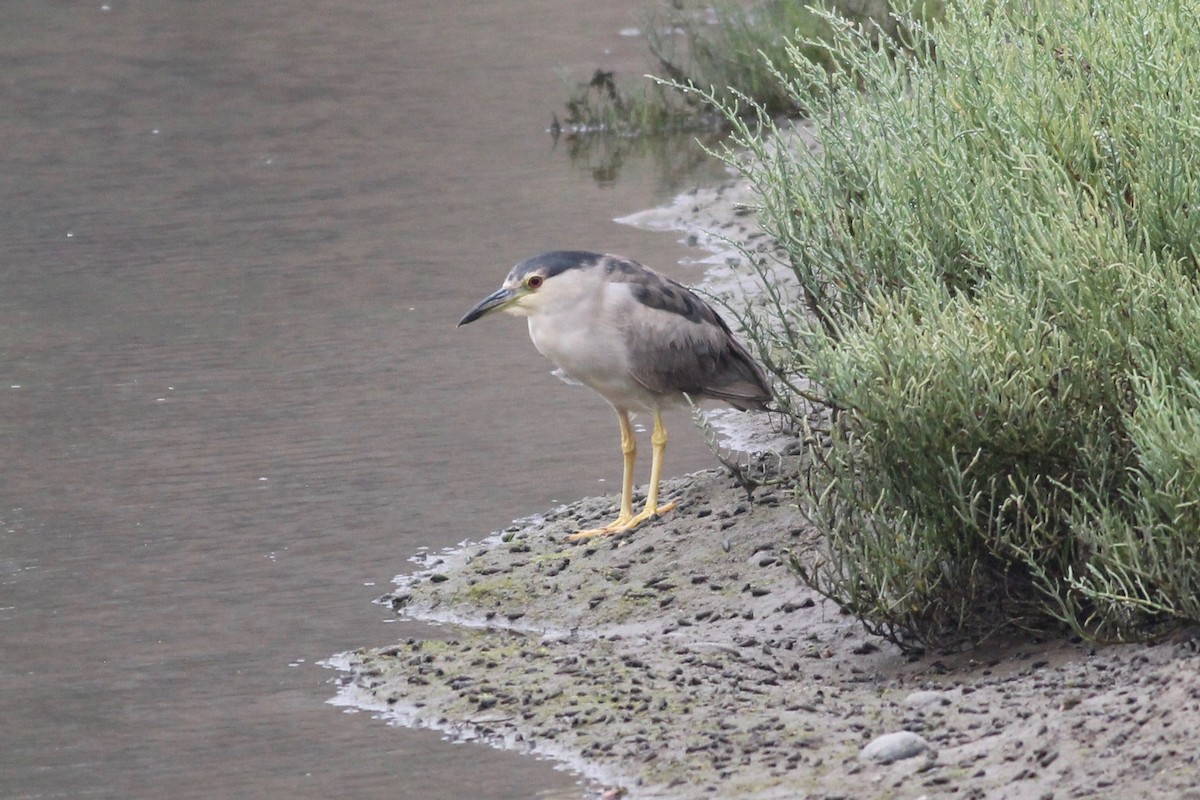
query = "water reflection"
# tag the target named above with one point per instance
(676, 158)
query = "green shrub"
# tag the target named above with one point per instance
(995, 252)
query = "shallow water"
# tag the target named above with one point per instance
(232, 398)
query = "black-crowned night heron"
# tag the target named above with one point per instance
(642, 341)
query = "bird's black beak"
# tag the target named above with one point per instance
(493, 302)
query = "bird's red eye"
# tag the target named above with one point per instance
(533, 281)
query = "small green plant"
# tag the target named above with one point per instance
(993, 260)
(734, 52)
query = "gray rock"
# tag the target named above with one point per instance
(895, 747)
(924, 699)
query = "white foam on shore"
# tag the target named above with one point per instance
(353, 699)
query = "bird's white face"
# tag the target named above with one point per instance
(524, 295)
(535, 294)
(511, 298)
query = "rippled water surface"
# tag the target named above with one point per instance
(236, 238)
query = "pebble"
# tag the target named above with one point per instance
(895, 747)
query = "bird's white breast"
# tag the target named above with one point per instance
(588, 341)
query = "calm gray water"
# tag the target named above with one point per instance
(235, 240)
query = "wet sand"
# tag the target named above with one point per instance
(685, 660)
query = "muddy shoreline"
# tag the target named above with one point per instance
(686, 660)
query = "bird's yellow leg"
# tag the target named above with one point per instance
(658, 442)
(629, 452)
(627, 521)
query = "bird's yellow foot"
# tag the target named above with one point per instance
(623, 525)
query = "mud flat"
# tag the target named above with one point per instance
(686, 661)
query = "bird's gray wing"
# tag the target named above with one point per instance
(678, 343)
